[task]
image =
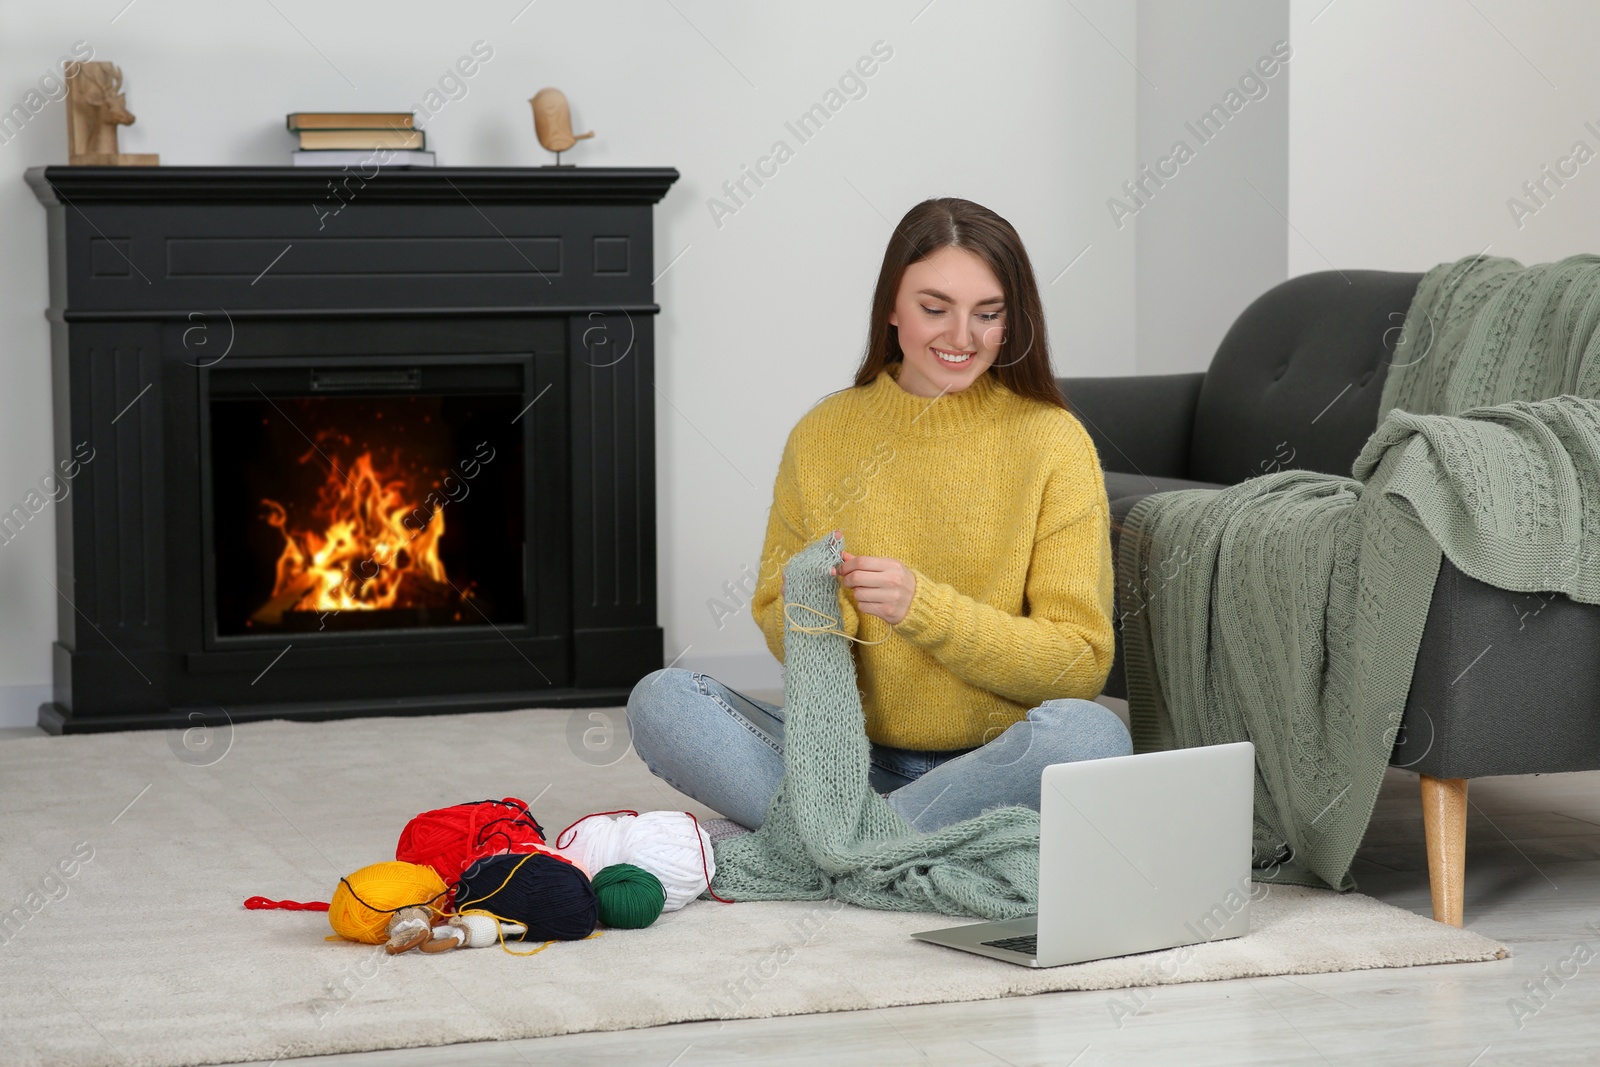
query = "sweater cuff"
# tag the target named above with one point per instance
(928, 620)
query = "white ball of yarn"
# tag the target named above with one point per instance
(595, 843)
(672, 847)
(665, 843)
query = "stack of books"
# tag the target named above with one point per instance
(358, 139)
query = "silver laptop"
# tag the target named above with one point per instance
(1136, 853)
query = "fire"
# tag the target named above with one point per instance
(378, 548)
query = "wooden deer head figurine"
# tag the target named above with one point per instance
(96, 106)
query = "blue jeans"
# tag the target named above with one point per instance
(725, 750)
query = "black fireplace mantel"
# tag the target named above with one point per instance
(301, 185)
(166, 282)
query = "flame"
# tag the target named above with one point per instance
(379, 548)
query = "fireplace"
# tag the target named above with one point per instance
(335, 506)
(404, 467)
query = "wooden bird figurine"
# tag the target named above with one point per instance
(552, 122)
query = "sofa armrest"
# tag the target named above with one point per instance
(1140, 424)
(1504, 683)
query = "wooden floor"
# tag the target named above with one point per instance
(1533, 882)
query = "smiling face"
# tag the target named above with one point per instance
(950, 316)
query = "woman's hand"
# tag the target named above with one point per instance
(881, 586)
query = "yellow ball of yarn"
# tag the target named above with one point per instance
(365, 901)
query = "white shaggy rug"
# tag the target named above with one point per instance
(144, 955)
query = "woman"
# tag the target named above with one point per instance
(982, 591)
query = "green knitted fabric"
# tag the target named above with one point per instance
(827, 834)
(1288, 610)
(1488, 331)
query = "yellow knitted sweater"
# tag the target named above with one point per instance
(997, 505)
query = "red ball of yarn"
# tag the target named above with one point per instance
(451, 839)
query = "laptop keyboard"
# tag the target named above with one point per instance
(1028, 944)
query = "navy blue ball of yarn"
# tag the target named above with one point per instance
(554, 899)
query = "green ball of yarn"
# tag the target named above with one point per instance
(631, 898)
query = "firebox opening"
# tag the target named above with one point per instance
(367, 512)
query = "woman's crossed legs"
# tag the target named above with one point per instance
(725, 750)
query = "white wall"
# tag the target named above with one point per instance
(1412, 125)
(1213, 236)
(1028, 108)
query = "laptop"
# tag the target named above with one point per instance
(1136, 853)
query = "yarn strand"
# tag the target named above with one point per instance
(591, 815)
(703, 865)
(524, 818)
(263, 904)
(429, 903)
(501, 920)
(787, 604)
(502, 885)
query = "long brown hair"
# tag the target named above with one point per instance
(949, 222)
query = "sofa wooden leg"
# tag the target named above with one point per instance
(1444, 823)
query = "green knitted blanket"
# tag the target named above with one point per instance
(827, 834)
(1288, 610)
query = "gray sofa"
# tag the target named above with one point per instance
(1505, 683)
